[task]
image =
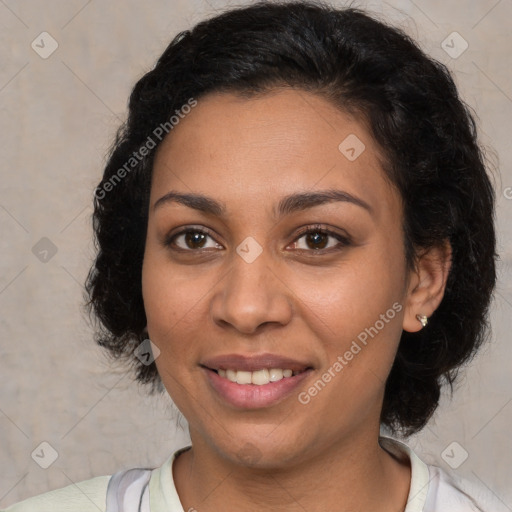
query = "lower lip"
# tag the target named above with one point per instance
(252, 396)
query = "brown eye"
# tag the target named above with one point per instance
(192, 240)
(315, 239)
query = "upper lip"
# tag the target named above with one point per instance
(252, 363)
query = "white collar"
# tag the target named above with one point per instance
(420, 475)
(164, 496)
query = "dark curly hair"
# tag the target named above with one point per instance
(410, 104)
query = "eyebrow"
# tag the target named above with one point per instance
(287, 205)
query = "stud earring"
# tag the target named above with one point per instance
(423, 319)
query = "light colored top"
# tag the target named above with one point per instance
(432, 490)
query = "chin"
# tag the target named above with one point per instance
(261, 451)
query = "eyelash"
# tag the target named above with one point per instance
(317, 229)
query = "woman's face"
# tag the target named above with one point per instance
(247, 281)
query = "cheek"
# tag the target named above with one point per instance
(356, 318)
(355, 311)
(171, 302)
(352, 296)
(169, 296)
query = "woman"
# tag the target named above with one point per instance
(298, 216)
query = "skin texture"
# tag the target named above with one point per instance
(248, 154)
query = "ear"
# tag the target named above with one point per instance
(426, 285)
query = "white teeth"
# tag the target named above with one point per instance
(244, 377)
(275, 374)
(258, 377)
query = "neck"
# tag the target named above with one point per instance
(352, 474)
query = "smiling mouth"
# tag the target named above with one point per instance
(258, 377)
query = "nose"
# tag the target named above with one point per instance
(251, 295)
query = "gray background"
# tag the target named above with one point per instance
(58, 116)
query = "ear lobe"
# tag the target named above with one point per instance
(427, 284)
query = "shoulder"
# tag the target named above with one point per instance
(448, 491)
(433, 489)
(85, 496)
(133, 485)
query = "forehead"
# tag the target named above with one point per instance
(269, 146)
